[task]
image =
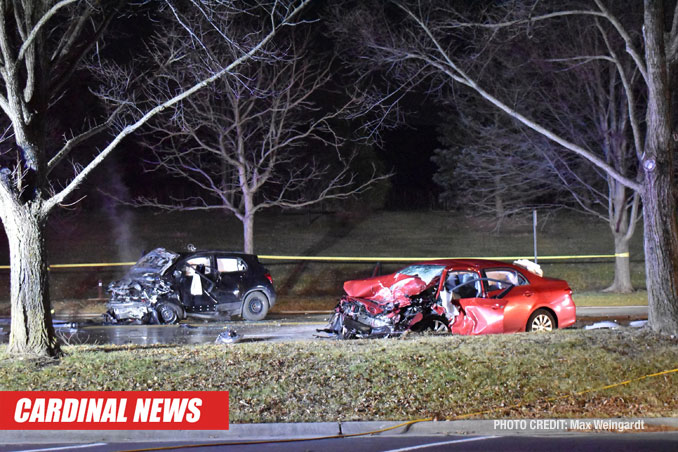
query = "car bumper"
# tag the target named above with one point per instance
(131, 310)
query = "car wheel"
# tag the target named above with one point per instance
(168, 313)
(541, 320)
(435, 324)
(255, 306)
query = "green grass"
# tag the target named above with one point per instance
(637, 298)
(444, 377)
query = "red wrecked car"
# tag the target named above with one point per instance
(462, 296)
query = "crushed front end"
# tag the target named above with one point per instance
(388, 305)
(133, 298)
(362, 318)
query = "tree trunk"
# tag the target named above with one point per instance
(248, 233)
(498, 202)
(622, 225)
(32, 333)
(661, 258)
(622, 265)
(659, 207)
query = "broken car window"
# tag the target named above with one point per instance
(425, 272)
(201, 264)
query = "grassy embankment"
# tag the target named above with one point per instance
(446, 377)
(96, 238)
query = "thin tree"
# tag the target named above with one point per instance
(256, 141)
(429, 33)
(42, 44)
(489, 167)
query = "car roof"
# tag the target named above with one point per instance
(476, 263)
(479, 264)
(246, 256)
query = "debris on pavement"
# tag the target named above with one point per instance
(229, 336)
(607, 324)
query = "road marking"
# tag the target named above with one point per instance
(443, 443)
(80, 446)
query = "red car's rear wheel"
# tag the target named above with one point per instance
(541, 320)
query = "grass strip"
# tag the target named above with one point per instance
(442, 377)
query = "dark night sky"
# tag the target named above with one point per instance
(406, 150)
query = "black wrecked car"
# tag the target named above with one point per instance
(166, 287)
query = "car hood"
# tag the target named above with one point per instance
(387, 288)
(156, 261)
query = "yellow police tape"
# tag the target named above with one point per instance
(358, 259)
(417, 259)
(403, 424)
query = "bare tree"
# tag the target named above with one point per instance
(256, 141)
(42, 44)
(430, 32)
(491, 167)
(565, 93)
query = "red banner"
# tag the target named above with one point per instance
(114, 410)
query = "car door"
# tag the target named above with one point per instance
(479, 314)
(516, 302)
(196, 282)
(487, 315)
(231, 272)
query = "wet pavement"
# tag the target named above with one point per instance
(278, 327)
(94, 332)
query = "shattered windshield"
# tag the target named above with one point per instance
(157, 261)
(425, 272)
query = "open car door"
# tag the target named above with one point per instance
(478, 313)
(479, 316)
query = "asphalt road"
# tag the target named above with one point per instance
(580, 442)
(275, 328)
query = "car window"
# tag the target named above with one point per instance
(504, 278)
(465, 284)
(425, 272)
(230, 265)
(201, 264)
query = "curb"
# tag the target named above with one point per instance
(252, 432)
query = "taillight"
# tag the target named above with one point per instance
(269, 277)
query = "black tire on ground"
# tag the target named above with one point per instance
(541, 320)
(168, 312)
(434, 323)
(255, 306)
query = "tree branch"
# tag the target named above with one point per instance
(78, 179)
(38, 26)
(447, 66)
(73, 142)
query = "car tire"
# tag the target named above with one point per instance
(255, 306)
(435, 324)
(168, 312)
(541, 321)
